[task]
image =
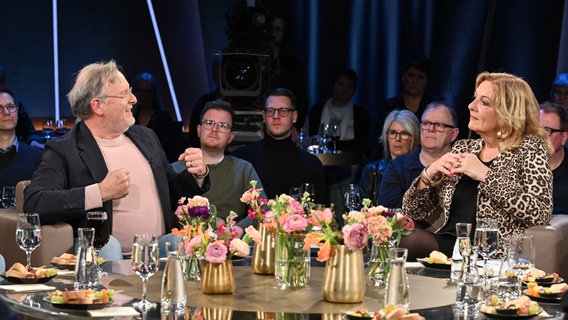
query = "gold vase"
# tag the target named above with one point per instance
(217, 314)
(263, 252)
(344, 277)
(218, 278)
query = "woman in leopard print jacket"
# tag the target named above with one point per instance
(503, 175)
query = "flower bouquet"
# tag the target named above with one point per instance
(386, 227)
(263, 257)
(292, 259)
(193, 213)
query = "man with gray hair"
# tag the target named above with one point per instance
(107, 162)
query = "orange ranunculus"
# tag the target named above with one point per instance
(324, 252)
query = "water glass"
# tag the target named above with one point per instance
(509, 288)
(145, 262)
(352, 197)
(8, 197)
(28, 234)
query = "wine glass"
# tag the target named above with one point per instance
(98, 220)
(48, 129)
(335, 133)
(28, 234)
(325, 135)
(486, 239)
(296, 193)
(352, 197)
(145, 262)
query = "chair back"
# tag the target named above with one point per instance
(20, 186)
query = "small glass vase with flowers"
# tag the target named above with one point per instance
(192, 213)
(386, 227)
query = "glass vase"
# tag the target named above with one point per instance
(191, 267)
(344, 276)
(218, 278)
(379, 263)
(292, 268)
(263, 253)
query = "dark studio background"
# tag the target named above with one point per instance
(462, 38)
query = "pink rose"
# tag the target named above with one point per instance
(216, 252)
(406, 223)
(239, 247)
(253, 233)
(192, 245)
(293, 223)
(355, 236)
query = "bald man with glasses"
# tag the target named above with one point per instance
(276, 158)
(438, 130)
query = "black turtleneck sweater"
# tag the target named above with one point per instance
(280, 164)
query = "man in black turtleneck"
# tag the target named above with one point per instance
(279, 163)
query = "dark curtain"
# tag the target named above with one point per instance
(462, 38)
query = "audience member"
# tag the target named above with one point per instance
(414, 96)
(149, 111)
(18, 160)
(438, 132)
(554, 118)
(231, 176)
(559, 92)
(107, 162)
(276, 158)
(25, 129)
(339, 109)
(401, 135)
(503, 175)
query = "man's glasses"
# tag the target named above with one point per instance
(221, 126)
(393, 135)
(440, 127)
(551, 131)
(10, 107)
(283, 112)
(122, 96)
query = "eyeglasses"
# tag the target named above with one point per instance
(122, 96)
(10, 107)
(551, 131)
(393, 135)
(283, 112)
(221, 126)
(440, 127)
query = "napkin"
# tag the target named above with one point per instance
(65, 272)
(26, 287)
(414, 265)
(114, 312)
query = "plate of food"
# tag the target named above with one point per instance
(436, 260)
(517, 309)
(552, 294)
(19, 274)
(390, 312)
(81, 299)
(65, 261)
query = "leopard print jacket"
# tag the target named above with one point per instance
(517, 190)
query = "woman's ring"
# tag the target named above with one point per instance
(190, 164)
(459, 163)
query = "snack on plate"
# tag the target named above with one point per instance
(438, 257)
(18, 270)
(522, 304)
(391, 312)
(65, 259)
(82, 296)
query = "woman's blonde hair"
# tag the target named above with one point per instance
(517, 110)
